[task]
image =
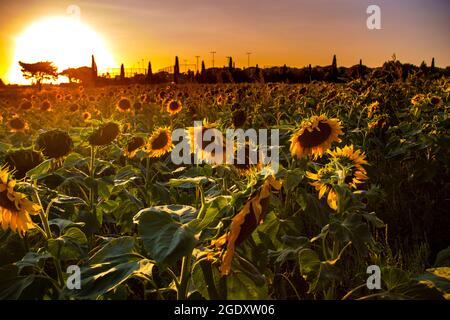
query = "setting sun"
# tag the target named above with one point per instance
(65, 41)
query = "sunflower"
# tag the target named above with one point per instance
(15, 208)
(86, 116)
(16, 124)
(435, 100)
(74, 107)
(345, 167)
(159, 143)
(26, 104)
(54, 143)
(417, 99)
(198, 143)
(247, 165)
(173, 107)
(373, 108)
(133, 146)
(239, 118)
(315, 136)
(137, 106)
(46, 105)
(22, 161)
(245, 222)
(124, 105)
(104, 135)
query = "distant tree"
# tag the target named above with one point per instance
(334, 70)
(94, 68)
(39, 71)
(149, 72)
(83, 74)
(203, 72)
(432, 65)
(176, 70)
(122, 72)
(230, 64)
(1, 83)
(310, 72)
(360, 69)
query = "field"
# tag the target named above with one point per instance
(94, 207)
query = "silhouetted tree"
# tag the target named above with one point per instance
(83, 74)
(39, 71)
(176, 70)
(360, 69)
(334, 70)
(149, 72)
(230, 64)
(310, 73)
(432, 65)
(122, 72)
(1, 83)
(94, 68)
(203, 72)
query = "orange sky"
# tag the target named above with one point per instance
(295, 32)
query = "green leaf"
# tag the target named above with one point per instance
(72, 245)
(216, 208)
(165, 238)
(32, 259)
(443, 258)
(12, 285)
(109, 267)
(63, 224)
(40, 170)
(187, 183)
(241, 287)
(126, 175)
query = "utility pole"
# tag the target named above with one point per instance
(197, 57)
(248, 58)
(213, 53)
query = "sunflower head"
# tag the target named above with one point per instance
(250, 162)
(174, 106)
(124, 105)
(159, 143)
(435, 100)
(15, 208)
(86, 116)
(26, 104)
(204, 143)
(104, 135)
(46, 105)
(133, 146)
(16, 124)
(54, 143)
(315, 136)
(74, 107)
(22, 161)
(417, 99)
(345, 167)
(239, 118)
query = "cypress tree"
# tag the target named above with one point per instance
(360, 69)
(149, 72)
(94, 68)
(432, 65)
(122, 72)
(176, 70)
(334, 70)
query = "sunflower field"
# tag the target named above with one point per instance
(88, 188)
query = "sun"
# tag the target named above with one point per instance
(65, 41)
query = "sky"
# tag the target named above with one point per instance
(292, 32)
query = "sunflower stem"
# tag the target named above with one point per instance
(147, 180)
(92, 176)
(184, 277)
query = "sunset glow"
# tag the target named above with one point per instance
(65, 41)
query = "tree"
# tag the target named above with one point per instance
(230, 64)
(149, 72)
(334, 70)
(39, 71)
(1, 83)
(203, 72)
(94, 69)
(432, 65)
(122, 72)
(176, 70)
(83, 74)
(360, 69)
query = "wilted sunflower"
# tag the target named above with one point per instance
(104, 135)
(124, 105)
(159, 143)
(133, 146)
(15, 208)
(54, 143)
(174, 106)
(245, 222)
(249, 164)
(16, 124)
(199, 141)
(22, 161)
(345, 167)
(315, 136)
